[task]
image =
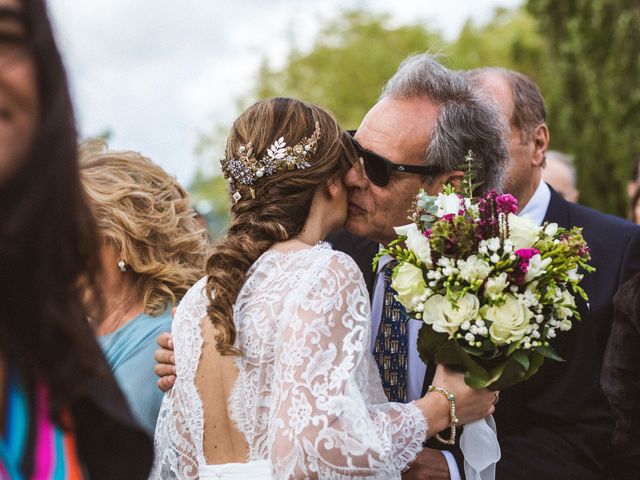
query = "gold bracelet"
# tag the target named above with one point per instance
(451, 398)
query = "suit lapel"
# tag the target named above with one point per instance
(558, 210)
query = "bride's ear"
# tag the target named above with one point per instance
(333, 186)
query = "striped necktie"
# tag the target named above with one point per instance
(390, 349)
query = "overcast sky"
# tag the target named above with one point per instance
(157, 73)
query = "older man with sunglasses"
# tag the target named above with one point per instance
(415, 137)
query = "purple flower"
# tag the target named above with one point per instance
(506, 204)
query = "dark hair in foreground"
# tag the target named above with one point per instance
(47, 241)
(465, 120)
(282, 201)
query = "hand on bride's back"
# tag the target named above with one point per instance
(471, 404)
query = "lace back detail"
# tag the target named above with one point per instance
(308, 397)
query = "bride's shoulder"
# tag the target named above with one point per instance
(196, 295)
(325, 258)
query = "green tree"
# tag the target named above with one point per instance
(352, 57)
(510, 39)
(595, 47)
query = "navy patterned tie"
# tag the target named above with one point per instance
(390, 349)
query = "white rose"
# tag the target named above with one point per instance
(496, 285)
(445, 318)
(409, 283)
(473, 268)
(537, 267)
(522, 231)
(416, 242)
(447, 204)
(509, 321)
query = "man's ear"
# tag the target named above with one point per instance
(540, 144)
(454, 178)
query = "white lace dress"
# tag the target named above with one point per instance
(308, 397)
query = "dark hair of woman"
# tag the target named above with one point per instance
(47, 240)
(282, 201)
(631, 212)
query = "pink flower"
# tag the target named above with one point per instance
(506, 203)
(522, 266)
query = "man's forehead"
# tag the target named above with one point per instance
(392, 123)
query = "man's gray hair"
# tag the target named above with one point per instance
(465, 121)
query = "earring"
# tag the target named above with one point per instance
(122, 266)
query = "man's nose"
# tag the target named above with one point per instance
(355, 176)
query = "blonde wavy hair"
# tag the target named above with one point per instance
(145, 214)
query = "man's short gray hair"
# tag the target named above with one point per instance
(465, 121)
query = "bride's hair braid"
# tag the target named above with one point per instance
(282, 200)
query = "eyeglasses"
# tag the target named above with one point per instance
(379, 169)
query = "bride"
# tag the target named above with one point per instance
(274, 374)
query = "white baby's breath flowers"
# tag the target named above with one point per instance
(448, 266)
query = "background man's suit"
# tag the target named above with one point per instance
(557, 425)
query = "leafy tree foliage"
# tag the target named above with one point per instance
(595, 52)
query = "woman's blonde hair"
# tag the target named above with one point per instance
(279, 205)
(145, 214)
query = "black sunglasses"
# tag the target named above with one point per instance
(378, 168)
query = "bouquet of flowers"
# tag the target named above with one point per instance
(492, 288)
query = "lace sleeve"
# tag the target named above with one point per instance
(321, 425)
(180, 424)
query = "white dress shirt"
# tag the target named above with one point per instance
(535, 210)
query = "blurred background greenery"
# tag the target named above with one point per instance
(584, 55)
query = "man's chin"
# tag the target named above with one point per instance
(358, 226)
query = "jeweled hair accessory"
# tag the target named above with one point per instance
(246, 169)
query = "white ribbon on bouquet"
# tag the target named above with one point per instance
(481, 450)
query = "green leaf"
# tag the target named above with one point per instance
(429, 342)
(522, 358)
(535, 362)
(549, 352)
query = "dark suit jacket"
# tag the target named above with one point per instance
(558, 424)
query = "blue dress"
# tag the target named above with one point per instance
(130, 353)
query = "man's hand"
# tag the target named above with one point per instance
(165, 362)
(430, 464)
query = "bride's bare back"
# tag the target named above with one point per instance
(215, 378)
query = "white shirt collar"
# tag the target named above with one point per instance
(536, 208)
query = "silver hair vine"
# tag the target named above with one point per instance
(245, 169)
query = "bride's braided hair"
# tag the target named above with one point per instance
(282, 200)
